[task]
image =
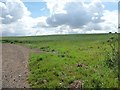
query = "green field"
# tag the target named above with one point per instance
(64, 59)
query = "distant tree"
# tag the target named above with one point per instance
(115, 32)
(110, 32)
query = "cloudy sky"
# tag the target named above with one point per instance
(46, 17)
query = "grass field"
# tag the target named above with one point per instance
(67, 58)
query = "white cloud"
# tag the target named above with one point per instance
(111, 20)
(91, 17)
(15, 19)
(77, 14)
(56, 6)
(65, 17)
(12, 11)
(26, 26)
(18, 28)
(110, 23)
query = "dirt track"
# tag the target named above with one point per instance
(14, 66)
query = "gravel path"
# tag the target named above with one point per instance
(14, 66)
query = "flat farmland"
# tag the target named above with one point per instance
(90, 60)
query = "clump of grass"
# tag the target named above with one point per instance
(97, 83)
(112, 56)
(39, 59)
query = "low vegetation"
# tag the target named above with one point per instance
(91, 59)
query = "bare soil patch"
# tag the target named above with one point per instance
(15, 66)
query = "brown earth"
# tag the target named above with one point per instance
(15, 66)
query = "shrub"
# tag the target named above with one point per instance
(39, 59)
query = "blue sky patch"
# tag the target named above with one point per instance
(37, 9)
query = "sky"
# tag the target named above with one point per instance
(48, 17)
